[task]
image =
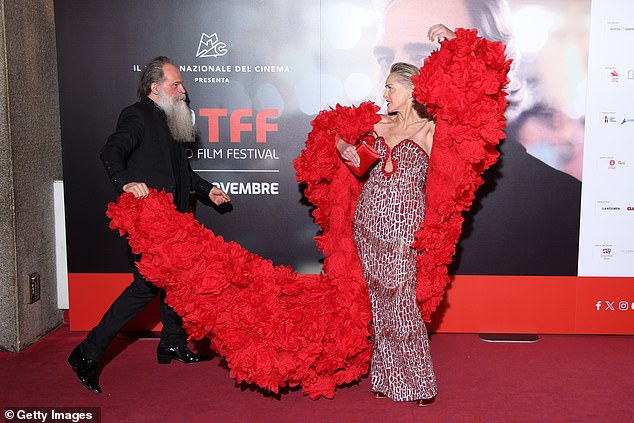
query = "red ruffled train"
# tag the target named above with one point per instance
(276, 327)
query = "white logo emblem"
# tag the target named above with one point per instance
(209, 46)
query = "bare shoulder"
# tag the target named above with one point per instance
(426, 125)
(425, 135)
(386, 119)
(383, 126)
(430, 125)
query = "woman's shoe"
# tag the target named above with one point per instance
(425, 402)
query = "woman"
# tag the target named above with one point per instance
(388, 213)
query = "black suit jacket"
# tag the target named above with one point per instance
(142, 150)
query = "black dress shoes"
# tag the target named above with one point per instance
(165, 355)
(85, 368)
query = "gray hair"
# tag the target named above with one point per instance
(153, 72)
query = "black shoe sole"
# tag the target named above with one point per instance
(164, 359)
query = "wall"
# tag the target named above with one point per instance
(30, 160)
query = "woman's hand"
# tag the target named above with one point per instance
(440, 32)
(348, 152)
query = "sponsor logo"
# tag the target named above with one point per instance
(604, 252)
(613, 74)
(610, 163)
(627, 120)
(210, 46)
(609, 117)
(607, 206)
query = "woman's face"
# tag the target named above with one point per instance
(397, 95)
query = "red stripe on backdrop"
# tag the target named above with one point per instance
(90, 295)
(537, 304)
(474, 304)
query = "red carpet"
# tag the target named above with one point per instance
(561, 378)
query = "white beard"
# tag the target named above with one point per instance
(179, 117)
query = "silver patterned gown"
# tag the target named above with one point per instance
(389, 211)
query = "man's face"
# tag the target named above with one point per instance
(172, 85)
(404, 33)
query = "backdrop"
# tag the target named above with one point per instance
(257, 72)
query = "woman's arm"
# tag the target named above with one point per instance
(347, 152)
(440, 32)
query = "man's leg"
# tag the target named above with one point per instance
(173, 345)
(172, 334)
(123, 309)
(84, 358)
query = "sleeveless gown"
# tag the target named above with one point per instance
(389, 210)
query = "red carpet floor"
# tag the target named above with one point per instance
(560, 378)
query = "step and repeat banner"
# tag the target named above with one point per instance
(607, 231)
(257, 73)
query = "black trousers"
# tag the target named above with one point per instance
(132, 300)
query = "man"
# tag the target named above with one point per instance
(525, 219)
(143, 153)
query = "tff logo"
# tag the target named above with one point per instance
(614, 305)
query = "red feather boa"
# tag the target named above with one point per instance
(275, 327)
(462, 85)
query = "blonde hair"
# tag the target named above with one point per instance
(404, 72)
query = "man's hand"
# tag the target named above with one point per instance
(218, 196)
(139, 189)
